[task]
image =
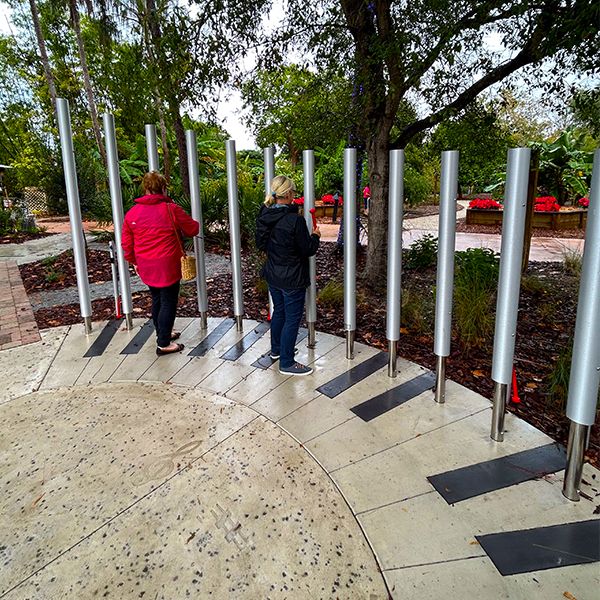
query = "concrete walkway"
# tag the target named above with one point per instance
(127, 475)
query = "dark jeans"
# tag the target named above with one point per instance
(164, 306)
(288, 306)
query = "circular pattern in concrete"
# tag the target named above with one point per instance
(132, 490)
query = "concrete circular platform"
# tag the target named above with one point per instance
(141, 490)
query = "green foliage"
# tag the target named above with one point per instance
(422, 254)
(417, 311)
(558, 380)
(475, 282)
(572, 262)
(585, 106)
(332, 295)
(533, 285)
(565, 166)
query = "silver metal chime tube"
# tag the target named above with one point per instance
(201, 291)
(269, 158)
(116, 200)
(308, 160)
(152, 148)
(68, 158)
(445, 269)
(394, 258)
(234, 233)
(350, 249)
(584, 379)
(509, 282)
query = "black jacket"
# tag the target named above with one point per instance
(282, 233)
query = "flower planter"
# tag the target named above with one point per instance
(557, 220)
(324, 210)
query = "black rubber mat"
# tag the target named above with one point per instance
(265, 361)
(102, 341)
(246, 342)
(212, 338)
(356, 374)
(141, 337)
(474, 480)
(514, 552)
(379, 405)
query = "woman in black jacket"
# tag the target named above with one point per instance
(282, 233)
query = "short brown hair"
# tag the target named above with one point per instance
(154, 183)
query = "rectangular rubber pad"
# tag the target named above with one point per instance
(481, 478)
(514, 552)
(379, 405)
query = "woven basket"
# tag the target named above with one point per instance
(188, 268)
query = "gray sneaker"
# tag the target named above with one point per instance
(296, 369)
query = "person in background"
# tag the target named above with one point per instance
(282, 233)
(150, 243)
(366, 197)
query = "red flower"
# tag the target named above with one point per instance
(299, 201)
(329, 199)
(546, 204)
(584, 202)
(485, 204)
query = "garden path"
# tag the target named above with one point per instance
(129, 475)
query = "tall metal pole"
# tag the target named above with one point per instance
(234, 233)
(201, 291)
(445, 269)
(350, 249)
(152, 148)
(584, 379)
(308, 160)
(68, 158)
(509, 283)
(394, 258)
(116, 200)
(269, 157)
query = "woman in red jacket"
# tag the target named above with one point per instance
(150, 242)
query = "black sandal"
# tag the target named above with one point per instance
(175, 335)
(161, 352)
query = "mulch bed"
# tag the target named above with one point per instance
(546, 323)
(19, 238)
(462, 227)
(58, 272)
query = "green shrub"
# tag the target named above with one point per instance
(474, 289)
(332, 294)
(417, 188)
(572, 262)
(422, 254)
(417, 311)
(533, 285)
(558, 380)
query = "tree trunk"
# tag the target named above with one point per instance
(44, 55)
(86, 78)
(379, 170)
(182, 151)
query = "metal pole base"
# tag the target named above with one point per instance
(575, 452)
(440, 380)
(239, 323)
(500, 398)
(392, 358)
(128, 321)
(312, 335)
(87, 324)
(350, 335)
(203, 320)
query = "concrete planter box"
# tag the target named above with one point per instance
(564, 219)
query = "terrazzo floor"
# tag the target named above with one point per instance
(132, 476)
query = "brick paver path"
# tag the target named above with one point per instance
(17, 323)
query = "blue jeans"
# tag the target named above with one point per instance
(288, 306)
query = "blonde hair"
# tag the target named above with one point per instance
(154, 183)
(280, 188)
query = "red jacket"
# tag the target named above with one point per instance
(149, 240)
